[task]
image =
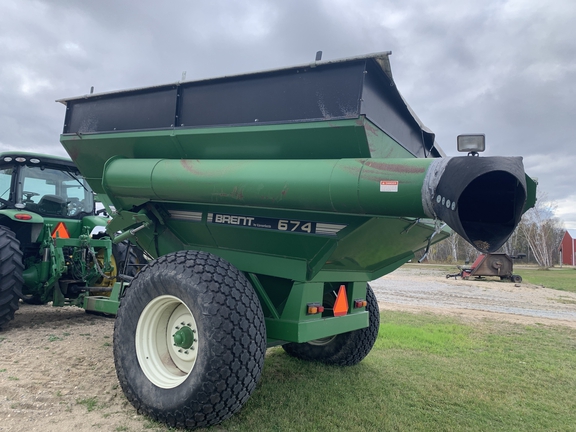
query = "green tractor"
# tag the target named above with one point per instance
(52, 241)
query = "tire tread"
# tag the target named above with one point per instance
(11, 280)
(238, 331)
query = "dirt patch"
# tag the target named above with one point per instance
(57, 373)
(57, 368)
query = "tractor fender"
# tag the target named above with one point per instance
(14, 218)
(23, 216)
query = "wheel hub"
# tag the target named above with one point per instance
(184, 336)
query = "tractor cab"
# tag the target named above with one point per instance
(47, 185)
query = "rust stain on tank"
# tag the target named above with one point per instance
(369, 128)
(275, 199)
(188, 166)
(208, 169)
(351, 169)
(236, 194)
(271, 200)
(407, 169)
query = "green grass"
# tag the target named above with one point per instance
(90, 403)
(425, 373)
(557, 278)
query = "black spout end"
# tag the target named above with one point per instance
(482, 199)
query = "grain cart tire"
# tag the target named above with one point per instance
(346, 349)
(11, 269)
(189, 340)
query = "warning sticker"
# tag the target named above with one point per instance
(388, 185)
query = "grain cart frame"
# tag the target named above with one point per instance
(50, 249)
(270, 200)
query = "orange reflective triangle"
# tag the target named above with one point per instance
(341, 303)
(60, 231)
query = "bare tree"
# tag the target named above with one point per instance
(453, 243)
(542, 231)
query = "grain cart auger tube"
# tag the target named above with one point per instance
(50, 245)
(270, 200)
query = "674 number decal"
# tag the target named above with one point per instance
(298, 226)
(289, 225)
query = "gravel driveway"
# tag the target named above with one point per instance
(418, 288)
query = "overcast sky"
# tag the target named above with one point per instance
(506, 68)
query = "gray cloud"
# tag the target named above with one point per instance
(503, 67)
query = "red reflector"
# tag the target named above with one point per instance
(360, 303)
(60, 231)
(23, 216)
(341, 303)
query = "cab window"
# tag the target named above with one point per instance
(52, 192)
(5, 184)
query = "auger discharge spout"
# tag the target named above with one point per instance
(480, 198)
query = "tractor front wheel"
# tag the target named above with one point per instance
(189, 340)
(344, 349)
(11, 269)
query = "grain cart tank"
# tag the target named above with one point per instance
(270, 200)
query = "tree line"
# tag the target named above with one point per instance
(537, 236)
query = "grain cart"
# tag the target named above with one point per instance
(50, 247)
(270, 200)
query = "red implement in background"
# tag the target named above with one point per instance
(494, 264)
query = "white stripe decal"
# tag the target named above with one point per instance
(185, 215)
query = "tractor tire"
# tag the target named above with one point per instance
(346, 349)
(189, 340)
(120, 253)
(136, 258)
(11, 280)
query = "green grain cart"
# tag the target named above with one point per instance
(268, 201)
